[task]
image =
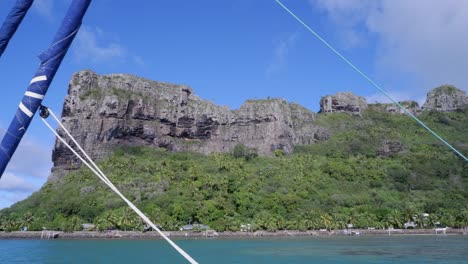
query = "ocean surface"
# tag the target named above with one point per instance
(364, 249)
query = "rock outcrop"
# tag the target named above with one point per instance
(411, 106)
(390, 147)
(446, 98)
(345, 102)
(106, 111)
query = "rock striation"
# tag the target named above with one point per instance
(105, 111)
(345, 102)
(446, 98)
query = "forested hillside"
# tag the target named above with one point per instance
(378, 170)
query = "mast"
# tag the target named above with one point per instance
(12, 22)
(50, 61)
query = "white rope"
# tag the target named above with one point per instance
(95, 169)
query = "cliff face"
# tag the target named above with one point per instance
(106, 111)
(446, 98)
(345, 102)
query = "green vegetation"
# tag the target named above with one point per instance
(344, 180)
(445, 89)
(93, 93)
(98, 94)
(241, 151)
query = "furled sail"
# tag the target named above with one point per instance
(49, 63)
(12, 22)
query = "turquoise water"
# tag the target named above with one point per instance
(371, 249)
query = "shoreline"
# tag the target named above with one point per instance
(115, 234)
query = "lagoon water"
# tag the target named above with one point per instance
(364, 249)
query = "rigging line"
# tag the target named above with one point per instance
(104, 178)
(371, 82)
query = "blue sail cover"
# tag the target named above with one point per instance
(50, 62)
(12, 22)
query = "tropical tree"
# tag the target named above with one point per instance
(353, 218)
(433, 220)
(408, 213)
(271, 225)
(9, 225)
(394, 219)
(338, 221)
(310, 223)
(462, 218)
(267, 221)
(73, 224)
(126, 219)
(421, 220)
(367, 220)
(326, 221)
(106, 221)
(446, 218)
(26, 220)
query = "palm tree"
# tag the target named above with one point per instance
(126, 219)
(421, 220)
(106, 221)
(272, 224)
(9, 225)
(448, 219)
(393, 219)
(353, 218)
(408, 213)
(327, 221)
(26, 220)
(309, 223)
(433, 220)
(367, 220)
(462, 218)
(279, 221)
(338, 221)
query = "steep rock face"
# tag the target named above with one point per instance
(446, 98)
(343, 102)
(106, 111)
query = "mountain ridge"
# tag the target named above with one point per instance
(105, 111)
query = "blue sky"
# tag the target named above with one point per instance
(232, 50)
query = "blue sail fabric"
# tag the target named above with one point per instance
(12, 22)
(50, 62)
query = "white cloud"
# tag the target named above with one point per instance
(9, 198)
(348, 15)
(44, 8)
(97, 46)
(11, 182)
(425, 39)
(31, 158)
(14, 188)
(27, 170)
(281, 53)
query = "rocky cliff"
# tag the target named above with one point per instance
(446, 98)
(343, 102)
(105, 111)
